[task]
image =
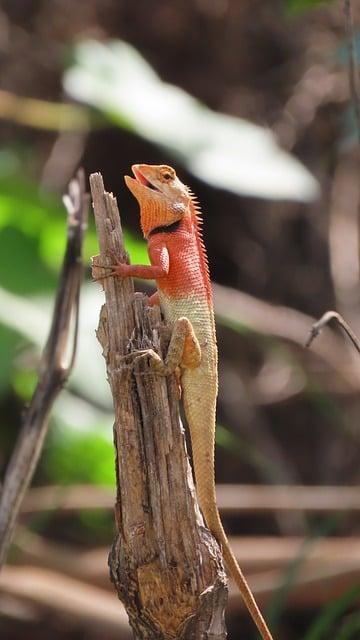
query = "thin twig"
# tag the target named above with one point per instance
(54, 369)
(287, 324)
(324, 320)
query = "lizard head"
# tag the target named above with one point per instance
(162, 197)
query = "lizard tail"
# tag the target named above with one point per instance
(205, 488)
(200, 413)
(241, 582)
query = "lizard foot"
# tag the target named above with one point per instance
(155, 362)
(118, 269)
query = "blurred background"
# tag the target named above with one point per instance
(249, 101)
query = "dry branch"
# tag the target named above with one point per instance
(286, 324)
(54, 369)
(164, 563)
(324, 320)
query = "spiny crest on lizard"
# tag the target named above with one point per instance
(171, 221)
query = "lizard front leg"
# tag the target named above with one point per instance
(184, 348)
(158, 268)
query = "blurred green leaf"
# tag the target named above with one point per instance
(21, 322)
(32, 236)
(350, 628)
(224, 151)
(297, 6)
(9, 341)
(30, 319)
(75, 457)
(9, 161)
(136, 247)
(24, 206)
(280, 595)
(324, 623)
(21, 269)
(24, 383)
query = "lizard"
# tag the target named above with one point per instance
(170, 219)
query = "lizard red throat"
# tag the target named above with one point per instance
(171, 223)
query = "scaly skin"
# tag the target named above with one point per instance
(170, 220)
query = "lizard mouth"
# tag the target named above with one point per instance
(141, 179)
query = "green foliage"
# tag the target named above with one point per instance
(136, 246)
(21, 268)
(26, 219)
(225, 151)
(298, 6)
(350, 629)
(26, 227)
(324, 624)
(24, 383)
(77, 457)
(290, 574)
(9, 341)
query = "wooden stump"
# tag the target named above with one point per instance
(165, 565)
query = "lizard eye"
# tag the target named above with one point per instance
(167, 176)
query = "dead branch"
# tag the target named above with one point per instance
(324, 320)
(286, 324)
(165, 565)
(54, 369)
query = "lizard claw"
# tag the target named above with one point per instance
(119, 269)
(155, 362)
(104, 275)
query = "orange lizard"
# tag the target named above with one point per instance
(170, 220)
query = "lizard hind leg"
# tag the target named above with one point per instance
(184, 350)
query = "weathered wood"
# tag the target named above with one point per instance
(165, 565)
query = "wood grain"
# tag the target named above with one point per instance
(165, 565)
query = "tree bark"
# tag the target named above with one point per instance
(166, 566)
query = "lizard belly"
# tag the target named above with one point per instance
(199, 406)
(197, 310)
